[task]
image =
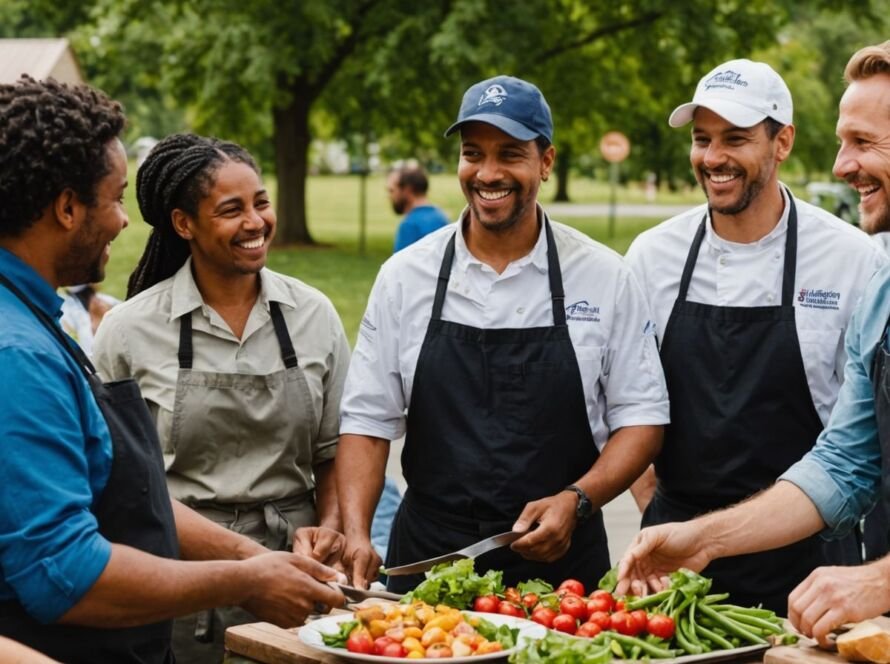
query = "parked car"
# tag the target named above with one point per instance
(838, 198)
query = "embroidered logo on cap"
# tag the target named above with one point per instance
(493, 94)
(728, 79)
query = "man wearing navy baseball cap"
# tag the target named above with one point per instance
(751, 294)
(516, 357)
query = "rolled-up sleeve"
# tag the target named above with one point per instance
(51, 552)
(842, 473)
(374, 401)
(633, 380)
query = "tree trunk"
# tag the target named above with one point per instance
(292, 167)
(563, 162)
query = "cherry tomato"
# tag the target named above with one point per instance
(544, 616)
(486, 604)
(360, 641)
(572, 586)
(603, 596)
(589, 630)
(619, 605)
(380, 643)
(624, 623)
(661, 626)
(565, 623)
(394, 650)
(574, 606)
(510, 609)
(601, 618)
(529, 600)
(640, 618)
(511, 594)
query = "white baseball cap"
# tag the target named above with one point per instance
(742, 92)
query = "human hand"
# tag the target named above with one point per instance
(832, 596)
(555, 516)
(361, 561)
(284, 588)
(320, 543)
(656, 552)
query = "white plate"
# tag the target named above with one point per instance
(311, 632)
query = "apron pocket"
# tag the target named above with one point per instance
(524, 394)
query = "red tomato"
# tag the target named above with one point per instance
(510, 609)
(661, 626)
(486, 604)
(529, 600)
(601, 618)
(598, 605)
(624, 623)
(603, 596)
(572, 586)
(619, 605)
(565, 623)
(394, 650)
(574, 606)
(589, 630)
(640, 618)
(360, 641)
(512, 595)
(380, 643)
(544, 616)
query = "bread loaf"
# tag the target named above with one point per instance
(866, 642)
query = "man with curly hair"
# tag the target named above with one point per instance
(89, 538)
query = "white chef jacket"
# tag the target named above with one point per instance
(834, 263)
(606, 311)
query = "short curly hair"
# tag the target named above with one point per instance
(52, 136)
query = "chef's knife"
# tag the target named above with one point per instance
(477, 549)
(357, 594)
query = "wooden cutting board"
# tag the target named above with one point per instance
(267, 643)
(802, 653)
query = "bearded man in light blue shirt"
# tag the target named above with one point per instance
(848, 470)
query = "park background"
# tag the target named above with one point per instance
(377, 81)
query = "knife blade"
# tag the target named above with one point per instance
(357, 594)
(477, 549)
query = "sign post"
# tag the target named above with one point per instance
(614, 147)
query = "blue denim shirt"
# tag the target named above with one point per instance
(842, 473)
(421, 221)
(56, 457)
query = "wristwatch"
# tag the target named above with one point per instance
(585, 507)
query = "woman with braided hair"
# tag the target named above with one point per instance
(242, 368)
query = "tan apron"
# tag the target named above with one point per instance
(242, 457)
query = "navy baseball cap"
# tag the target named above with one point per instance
(514, 106)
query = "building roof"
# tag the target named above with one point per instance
(40, 58)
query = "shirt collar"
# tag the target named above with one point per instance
(28, 280)
(537, 256)
(778, 230)
(187, 297)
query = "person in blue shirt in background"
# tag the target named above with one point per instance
(407, 187)
(91, 545)
(848, 470)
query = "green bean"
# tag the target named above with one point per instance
(616, 648)
(635, 652)
(680, 635)
(645, 602)
(754, 621)
(731, 625)
(750, 611)
(712, 599)
(631, 642)
(713, 636)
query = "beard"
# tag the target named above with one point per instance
(516, 212)
(398, 205)
(751, 190)
(84, 263)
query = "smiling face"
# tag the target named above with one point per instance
(235, 223)
(90, 247)
(734, 164)
(863, 158)
(500, 176)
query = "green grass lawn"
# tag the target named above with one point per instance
(337, 268)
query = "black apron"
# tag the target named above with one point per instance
(134, 509)
(877, 529)
(497, 419)
(741, 414)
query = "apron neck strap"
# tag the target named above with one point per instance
(557, 294)
(43, 318)
(288, 354)
(788, 273)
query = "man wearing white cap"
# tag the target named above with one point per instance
(751, 295)
(514, 354)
